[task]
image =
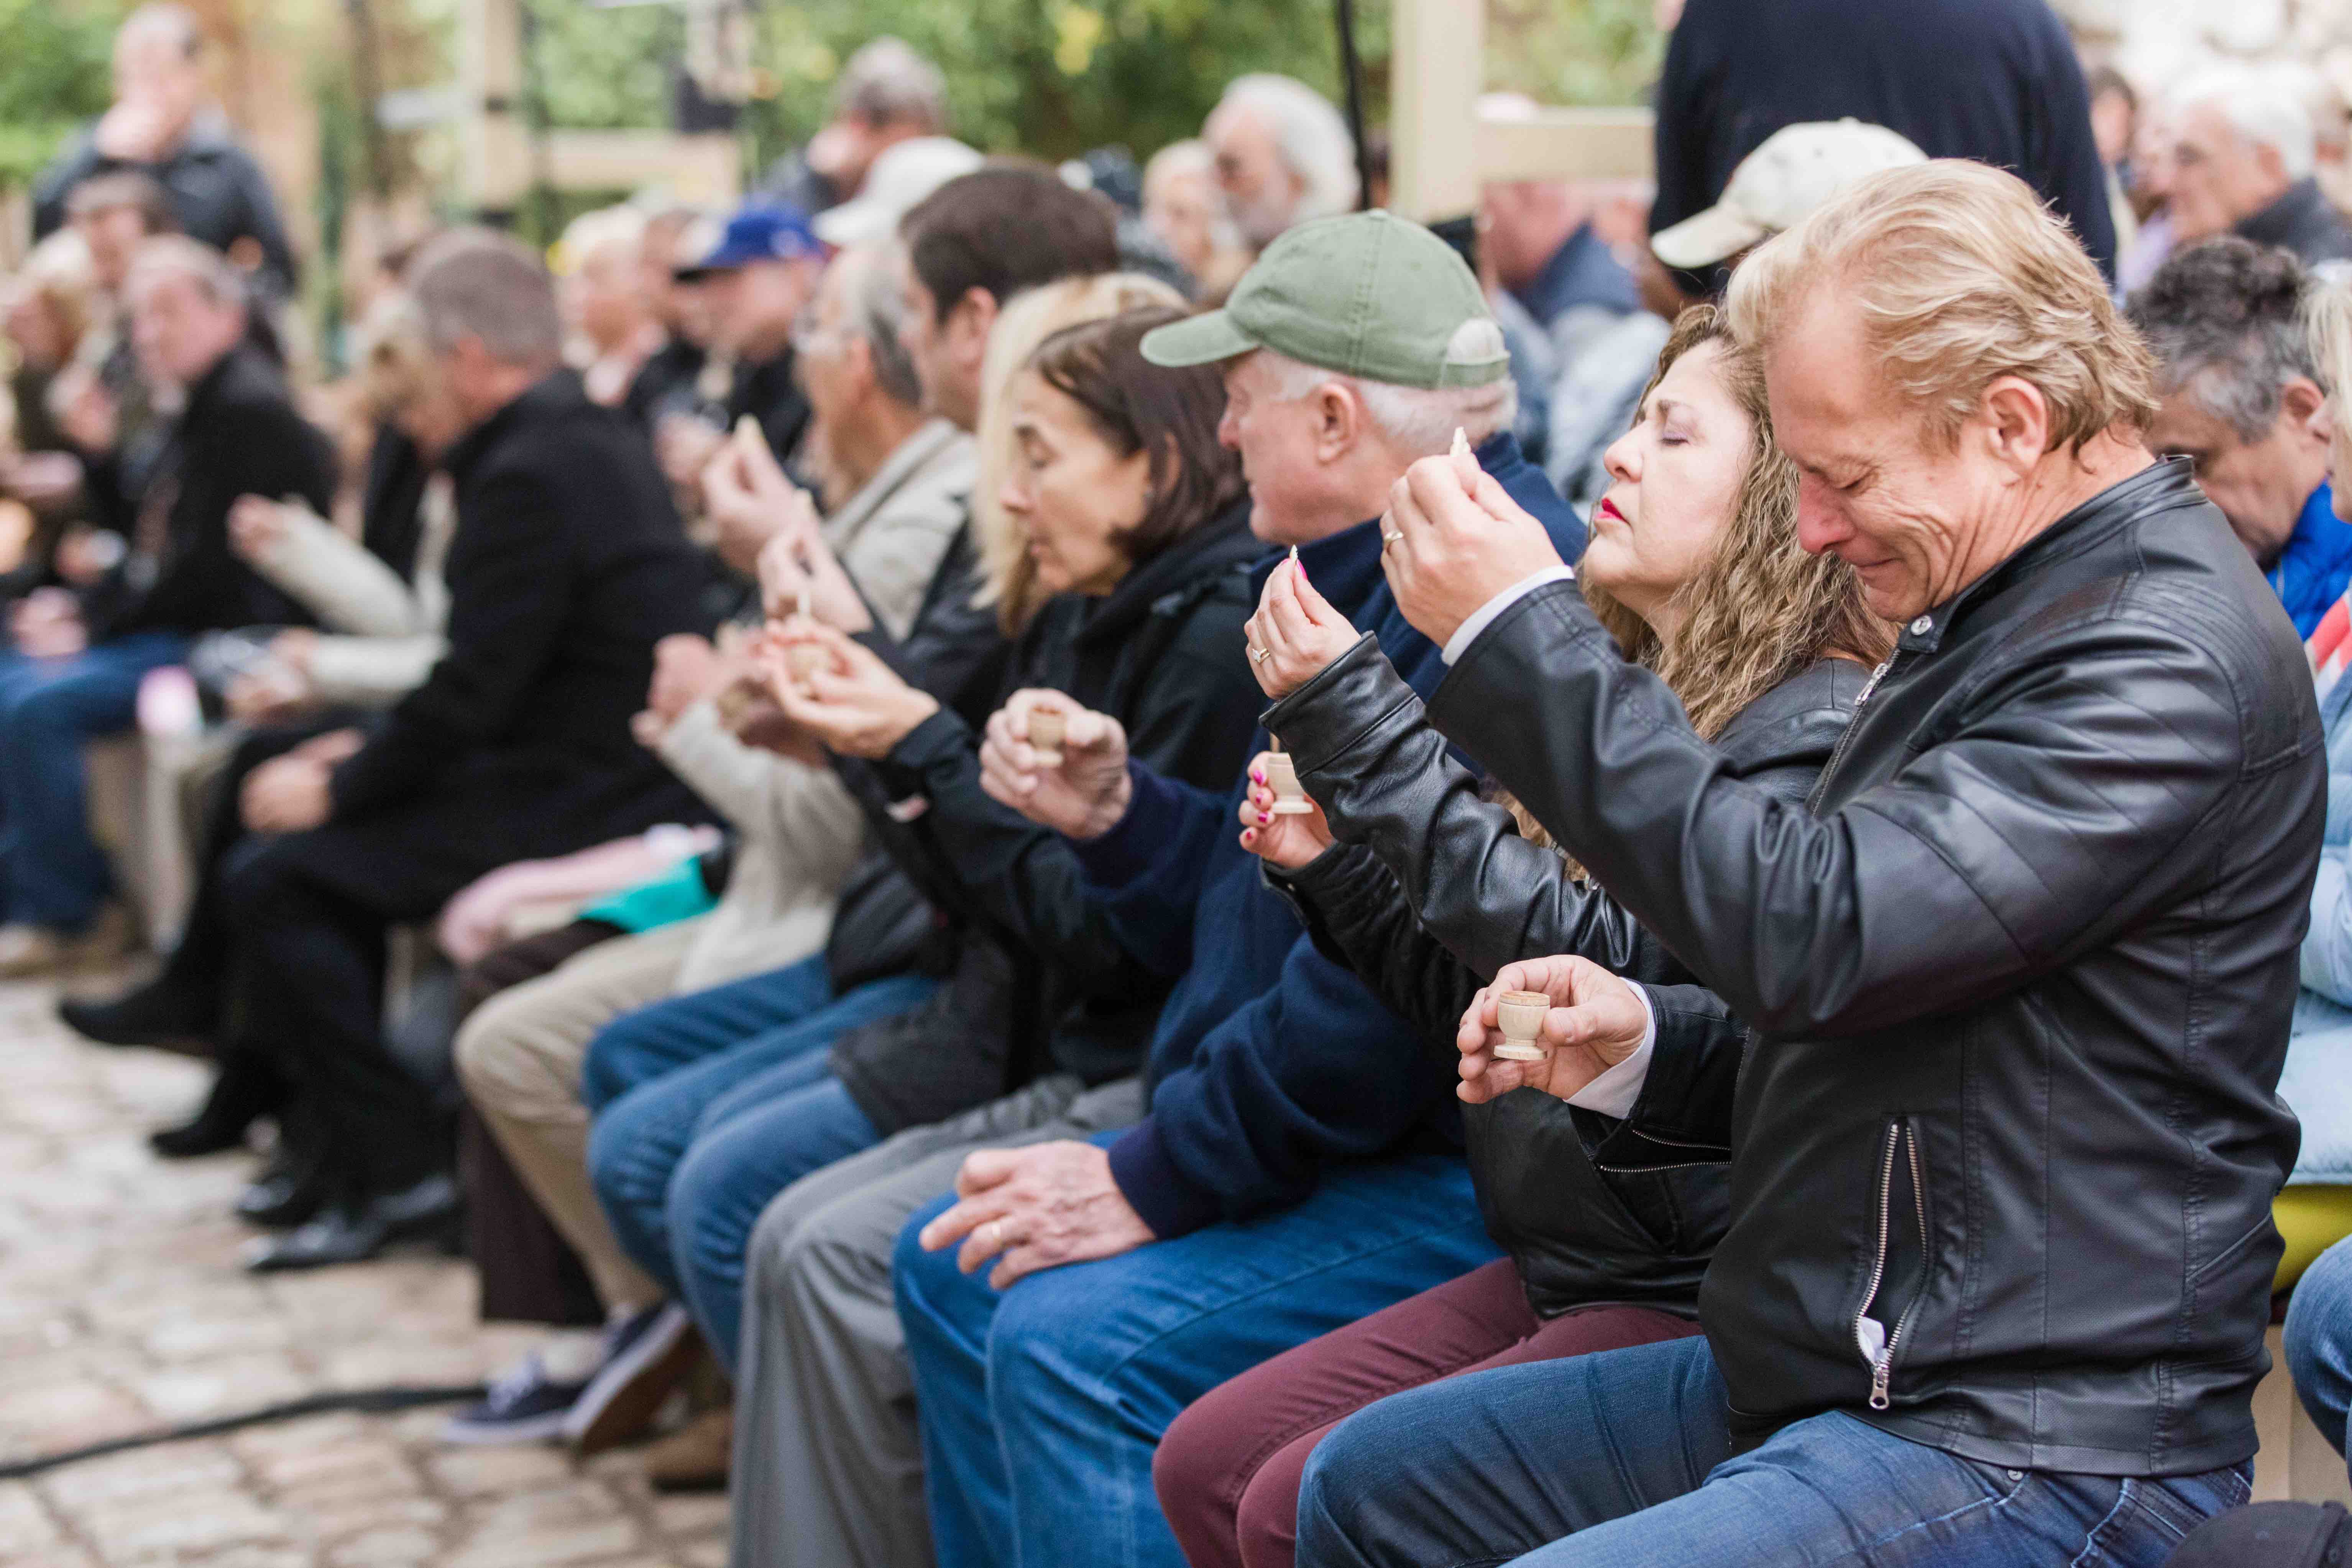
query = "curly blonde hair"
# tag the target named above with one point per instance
(1762, 609)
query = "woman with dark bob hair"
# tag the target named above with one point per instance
(1127, 596)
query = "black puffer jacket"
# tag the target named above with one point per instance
(2006, 1138)
(1468, 895)
(1038, 982)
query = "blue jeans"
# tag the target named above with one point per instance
(56, 875)
(743, 1068)
(1041, 1404)
(1623, 1459)
(2319, 1340)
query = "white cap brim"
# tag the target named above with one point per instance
(853, 223)
(1704, 238)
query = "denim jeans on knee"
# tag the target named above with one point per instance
(637, 1139)
(1041, 1404)
(750, 1144)
(56, 875)
(1619, 1460)
(2319, 1340)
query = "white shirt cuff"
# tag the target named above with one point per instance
(1483, 616)
(1614, 1091)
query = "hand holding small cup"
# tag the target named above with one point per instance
(1057, 764)
(1590, 1021)
(1284, 830)
(1451, 538)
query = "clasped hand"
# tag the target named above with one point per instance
(852, 701)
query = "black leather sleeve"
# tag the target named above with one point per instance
(1357, 916)
(1383, 778)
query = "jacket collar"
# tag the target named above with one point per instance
(208, 385)
(557, 392)
(2278, 222)
(1216, 546)
(906, 459)
(2167, 481)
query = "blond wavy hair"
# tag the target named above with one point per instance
(1008, 574)
(1762, 610)
(1960, 276)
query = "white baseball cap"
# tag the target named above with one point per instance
(902, 175)
(1796, 169)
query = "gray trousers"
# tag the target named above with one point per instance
(828, 1469)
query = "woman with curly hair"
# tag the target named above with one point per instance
(1693, 566)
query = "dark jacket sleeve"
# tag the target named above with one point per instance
(1027, 880)
(511, 576)
(2054, 815)
(258, 211)
(81, 160)
(2061, 146)
(1357, 917)
(1144, 876)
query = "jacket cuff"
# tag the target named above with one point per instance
(1461, 676)
(941, 735)
(1162, 1196)
(1127, 850)
(1347, 698)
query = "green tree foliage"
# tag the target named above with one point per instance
(53, 74)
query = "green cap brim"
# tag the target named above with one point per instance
(1202, 340)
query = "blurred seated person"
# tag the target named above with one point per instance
(2243, 162)
(755, 282)
(104, 403)
(608, 312)
(1184, 208)
(568, 565)
(161, 125)
(48, 308)
(78, 656)
(384, 633)
(906, 481)
(2242, 401)
(666, 379)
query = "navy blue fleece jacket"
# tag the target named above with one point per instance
(1269, 1059)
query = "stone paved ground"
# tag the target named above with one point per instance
(121, 1308)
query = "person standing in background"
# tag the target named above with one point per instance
(161, 125)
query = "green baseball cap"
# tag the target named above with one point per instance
(1370, 295)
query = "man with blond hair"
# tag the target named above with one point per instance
(1994, 1022)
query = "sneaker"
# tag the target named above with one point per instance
(645, 1355)
(523, 1406)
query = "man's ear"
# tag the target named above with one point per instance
(969, 324)
(2012, 420)
(1340, 421)
(2302, 403)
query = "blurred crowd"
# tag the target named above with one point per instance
(725, 773)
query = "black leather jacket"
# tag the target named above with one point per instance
(2021, 986)
(1467, 895)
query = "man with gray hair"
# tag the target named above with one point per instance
(76, 656)
(887, 93)
(569, 565)
(1284, 155)
(1262, 1194)
(2243, 400)
(2243, 158)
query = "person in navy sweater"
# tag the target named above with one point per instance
(1297, 1164)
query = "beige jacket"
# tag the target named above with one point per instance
(383, 633)
(800, 829)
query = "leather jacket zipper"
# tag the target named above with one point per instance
(1837, 753)
(1880, 1357)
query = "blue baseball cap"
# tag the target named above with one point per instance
(762, 231)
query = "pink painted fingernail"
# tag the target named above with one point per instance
(1263, 819)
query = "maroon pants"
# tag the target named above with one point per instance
(1227, 1471)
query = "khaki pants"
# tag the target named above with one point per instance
(519, 1057)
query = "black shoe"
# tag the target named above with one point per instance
(157, 1013)
(245, 1089)
(291, 1189)
(353, 1232)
